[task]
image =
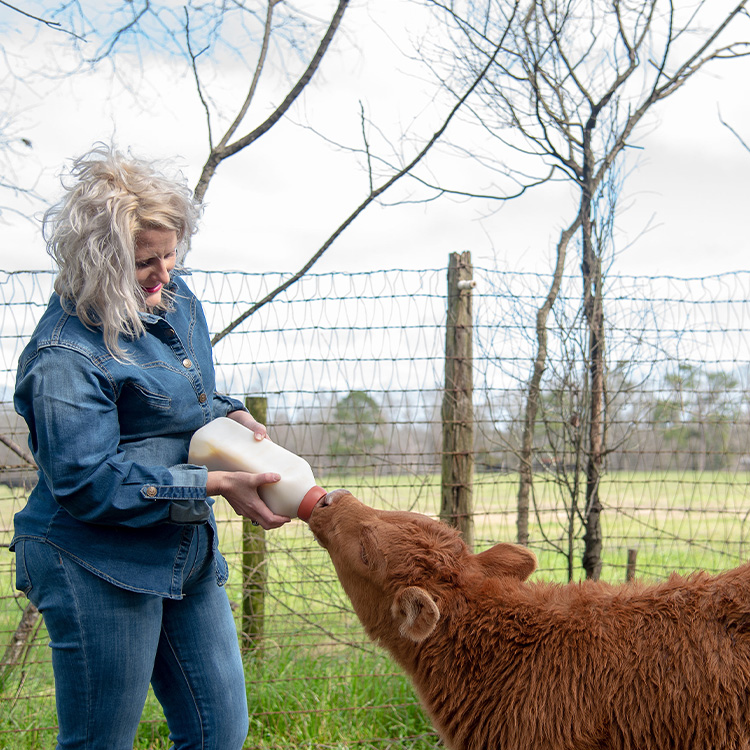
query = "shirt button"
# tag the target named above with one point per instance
(186, 363)
(170, 331)
(202, 398)
(151, 491)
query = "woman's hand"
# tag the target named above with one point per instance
(240, 490)
(247, 420)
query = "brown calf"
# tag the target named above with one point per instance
(500, 662)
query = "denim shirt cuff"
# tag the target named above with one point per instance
(190, 477)
(187, 495)
(226, 404)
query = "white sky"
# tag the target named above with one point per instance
(270, 208)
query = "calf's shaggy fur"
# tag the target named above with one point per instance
(499, 662)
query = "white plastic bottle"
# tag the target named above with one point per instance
(226, 445)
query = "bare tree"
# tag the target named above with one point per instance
(203, 37)
(574, 81)
(199, 34)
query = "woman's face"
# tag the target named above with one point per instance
(155, 257)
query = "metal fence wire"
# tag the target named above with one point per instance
(352, 368)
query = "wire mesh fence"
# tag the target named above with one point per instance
(351, 367)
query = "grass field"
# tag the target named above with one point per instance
(315, 681)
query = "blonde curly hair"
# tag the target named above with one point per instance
(91, 234)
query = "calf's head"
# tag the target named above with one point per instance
(404, 571)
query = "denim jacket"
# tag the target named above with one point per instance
(110, 438)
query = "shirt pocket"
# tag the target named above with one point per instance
(151, 398)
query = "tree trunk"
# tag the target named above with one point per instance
(592, 306)
(526, 456)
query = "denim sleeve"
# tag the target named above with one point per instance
(70, 406)
(223, 405)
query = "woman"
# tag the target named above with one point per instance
(117, 545)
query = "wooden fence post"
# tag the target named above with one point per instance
(457, 481)
(254, 572)
(630, 569)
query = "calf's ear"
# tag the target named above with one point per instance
(415, 612)
(507, 560)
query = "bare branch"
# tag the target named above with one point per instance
(122, 31)
(442, 190)
(744, 143)
(54, 25)
(218, 154)
(194, 66)
(367, 145)
(18, 450)
(374, 195)
(232, 129)
(699, 58)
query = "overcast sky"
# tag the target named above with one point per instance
(272, 207)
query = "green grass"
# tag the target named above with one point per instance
(297, 697)
(316, 681)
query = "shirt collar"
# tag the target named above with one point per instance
(147, 318)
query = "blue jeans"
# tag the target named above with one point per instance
(109, 643)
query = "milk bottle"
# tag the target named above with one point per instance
(226, 445)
